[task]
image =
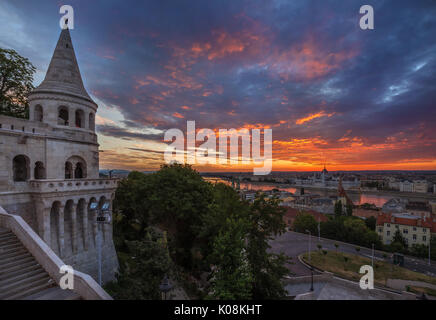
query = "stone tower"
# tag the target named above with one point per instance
(49, 166)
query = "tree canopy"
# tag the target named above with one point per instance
(210, 230)
(16, 78)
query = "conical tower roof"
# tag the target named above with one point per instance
(63, 74)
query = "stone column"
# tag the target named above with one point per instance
(44, 224)
(85, 226)
(61, 230)
(74, 209)
(72, 117)
(86, 120)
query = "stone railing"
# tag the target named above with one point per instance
(29, 128)
(71, 185)
(84, 285)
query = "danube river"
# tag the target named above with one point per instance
(358, 199)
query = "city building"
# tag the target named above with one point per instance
(420, 186)
(414, 229)
(49, 167)
(406, 186)
(292, 213)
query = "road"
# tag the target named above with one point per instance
(293, 244)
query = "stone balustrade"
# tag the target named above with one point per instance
(84, 285)
(24, 127)
(45, 186)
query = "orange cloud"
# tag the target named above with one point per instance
(178, 115)
(313, 116)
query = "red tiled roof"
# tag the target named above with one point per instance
(383, 218)
(291, 213)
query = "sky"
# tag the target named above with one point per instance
(331, 92)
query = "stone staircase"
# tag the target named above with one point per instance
(21, 277)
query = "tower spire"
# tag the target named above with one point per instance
(63, 74)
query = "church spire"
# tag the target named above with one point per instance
(63, 74)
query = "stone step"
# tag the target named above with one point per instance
(17, 269)
(54, 293)
(28, 279)
(34, 288)
(23, 275)
(12, 249)
(9, 247)
(9, 242)
(13, 253)
(18, 257)
(19, 261)
(7, 236)
(5, 231)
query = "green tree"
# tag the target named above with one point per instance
(349, 208)
(142, 268)
(232, 279)
(304, 221)
(338, 208)
(268, 269)
(16, 77)
(132, 207)
(371, 223)
(398, 242)
(178, 201)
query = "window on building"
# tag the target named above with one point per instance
(388, 233)
(78, 172)
(80, 119)
(21, 168)
(424, 230)
(63, 116)
(68, 170)
(424, 238)
(405, 231)
(39, 171)
(414, 228)
(75, 168)
(414, 237)
(38, 114)
(388, 225)
(380, 229)
(91, 121)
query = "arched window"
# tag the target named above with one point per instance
(63, 116)
(39, 172)
(91, 122)
(68, 170)
(80, 119)
(78, 172)
(21, 168)
(38, 114)
(75, 168)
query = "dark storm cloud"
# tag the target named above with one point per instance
(118, 132)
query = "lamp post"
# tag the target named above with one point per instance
(372, 258)
(165, 287)
(319, 229)
(310, 261)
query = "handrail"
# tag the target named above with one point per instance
(84, 285)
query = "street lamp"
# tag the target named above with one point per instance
(310, 261)
(165, 287)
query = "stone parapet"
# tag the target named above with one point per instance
(84, 285)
